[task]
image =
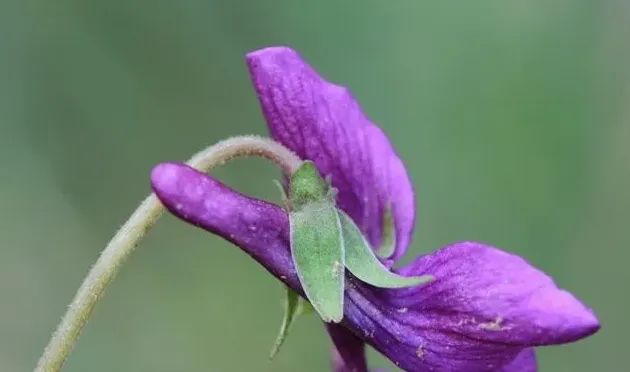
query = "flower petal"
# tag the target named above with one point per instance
(487, 294)
(484, 307)
(525, 361)
(391, 331)
(348, 351)
(260, 228)
(322, 122)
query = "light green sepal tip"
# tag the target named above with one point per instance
(363, 263)
(388, 244)
(307, 185)
(306, 307)
(294, 306)
(318, 254)
(283, 194)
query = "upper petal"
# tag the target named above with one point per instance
(487, 294)
(322, 122)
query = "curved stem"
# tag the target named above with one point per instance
(130, 234)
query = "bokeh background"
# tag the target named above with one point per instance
(512, 116)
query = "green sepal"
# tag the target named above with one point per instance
(307, 186)
(316, 242)
(294, 306)
(286, 204)
(363, 263)
(388, 240)
(318, 254)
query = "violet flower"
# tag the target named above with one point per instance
(486, 309)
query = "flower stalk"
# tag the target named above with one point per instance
(132, 232)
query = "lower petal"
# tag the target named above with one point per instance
(391, 331)
(484, 293)
(525, 361)
(348, 351)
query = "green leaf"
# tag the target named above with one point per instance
(318, 254)
(363, 263)
(388, 244)
(294, 306)
(316, 242)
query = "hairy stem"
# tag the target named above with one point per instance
(130, 234)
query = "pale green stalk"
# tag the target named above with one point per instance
(130, 234)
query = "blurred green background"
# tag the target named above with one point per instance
(513, 117)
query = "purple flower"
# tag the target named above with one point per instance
(486, 308)
(322, 122)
